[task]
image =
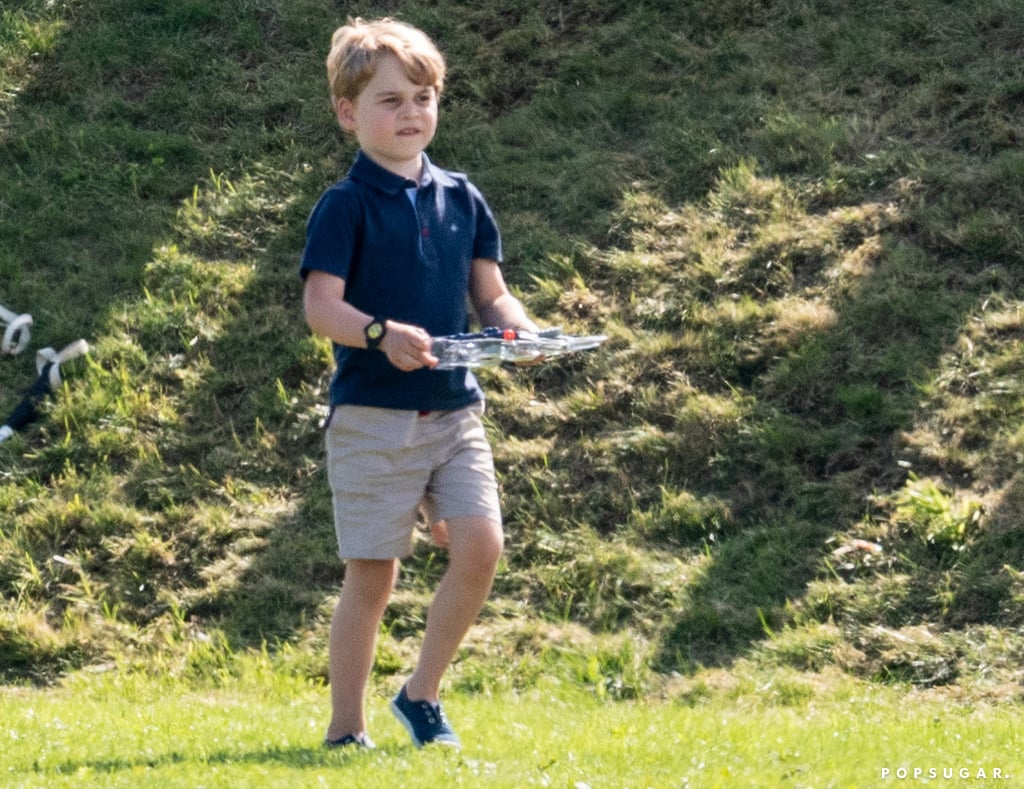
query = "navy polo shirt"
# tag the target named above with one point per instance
(405, 251)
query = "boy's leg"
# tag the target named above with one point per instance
(474, 548)
(354, 627)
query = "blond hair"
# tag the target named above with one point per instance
(358, 48)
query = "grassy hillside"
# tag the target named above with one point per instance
(799, 223)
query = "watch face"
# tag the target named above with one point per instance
(374, 330)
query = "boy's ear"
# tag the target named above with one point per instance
(344, 109)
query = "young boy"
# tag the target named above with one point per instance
(393, 251)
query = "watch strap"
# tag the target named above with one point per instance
(374, 333)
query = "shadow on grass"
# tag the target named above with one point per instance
(111, 128)
(296, 757)
(988, 580)
(829, 417)
(117, 123)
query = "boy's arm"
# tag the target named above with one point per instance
(492, 301)
(327, 313)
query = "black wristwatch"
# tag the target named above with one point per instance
(374, 332)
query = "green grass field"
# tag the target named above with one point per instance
(263, 728)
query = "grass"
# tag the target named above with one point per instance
(261, 727)
(798, 451)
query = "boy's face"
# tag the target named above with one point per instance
(392, 118)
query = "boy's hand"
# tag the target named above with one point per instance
(407, 347)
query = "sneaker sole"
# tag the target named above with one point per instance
(355, 745)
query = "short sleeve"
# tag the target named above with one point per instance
(487, 238)
(332, 233)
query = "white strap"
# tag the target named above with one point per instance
(47, 355)
(17, 335)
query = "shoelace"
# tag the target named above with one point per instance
(434, 714)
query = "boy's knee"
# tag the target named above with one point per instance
(479, 541)
(494, 546)
(486, 552)
(493, 541)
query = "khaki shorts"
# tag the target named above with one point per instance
(386, 466)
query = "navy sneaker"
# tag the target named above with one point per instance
(360, 741)
(424, 721)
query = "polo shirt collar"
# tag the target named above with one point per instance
(368, 171)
